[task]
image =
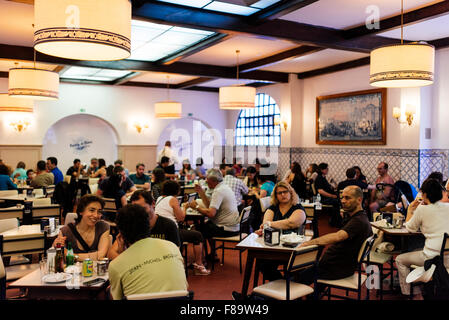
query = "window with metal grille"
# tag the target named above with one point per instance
(259, 126)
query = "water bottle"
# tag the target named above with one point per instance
(318, 202)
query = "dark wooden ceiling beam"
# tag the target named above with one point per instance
(337, 67)
(192, 83)
(440, 43)
(201, 70)
(202, 45)
(164, 86)
(418, 15)
(171, 14)
(276, 58)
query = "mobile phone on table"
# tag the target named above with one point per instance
(93, 282)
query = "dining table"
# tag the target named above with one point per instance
(403, 233)
(257, 249)
(25, 239)
(74, 288)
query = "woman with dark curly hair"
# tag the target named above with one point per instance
(158, 178)
(89, 235)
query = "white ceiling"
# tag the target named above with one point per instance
(342, 14)
(251, 48)
(16, 21)
(225, 82)
(160, 77)
(431, 29)
(317, 60)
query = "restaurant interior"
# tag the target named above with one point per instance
(238, 83)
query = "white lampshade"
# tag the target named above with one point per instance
(31, 83)
(402, 65)
(168, 110)
(8, 103)
(83, 29)
(237, 97)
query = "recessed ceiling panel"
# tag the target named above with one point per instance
(342, 14)
(316, 60)
(251, 48)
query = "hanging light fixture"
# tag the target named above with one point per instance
(237, 97)
(33, 83)
(15, 107)
(168, 109)
(83, 29)
(402, 65)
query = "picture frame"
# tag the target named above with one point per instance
(352, 118)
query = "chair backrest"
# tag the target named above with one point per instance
(445, 245)
(6, 193)
(41, 202)
(167, 295)
(313, 188)
(38, 192)
(93, 188)
(244, 215)
(2, 269)
(109, 205)
(310, 212)
(265, 203)
(8, 224)
(2, 278)
(93, 181)
(303, 258)
(70, 218)
(13, 212)
(67, 178)
(365, 249)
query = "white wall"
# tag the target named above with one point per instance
(119, 106)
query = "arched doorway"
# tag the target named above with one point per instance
(190, 138)
(81, 136)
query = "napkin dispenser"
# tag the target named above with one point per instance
(271, 236)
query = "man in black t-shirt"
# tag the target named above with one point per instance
(351, 181)
(160, 227)
(340, 259)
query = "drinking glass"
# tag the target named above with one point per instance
(302, 232)
(43, 267)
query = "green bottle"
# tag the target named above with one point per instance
(70, 257)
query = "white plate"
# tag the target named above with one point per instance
(56, 277)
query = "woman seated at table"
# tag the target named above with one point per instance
(158, 176)
(5, 181)
(266, 187)
(101, 172)
(286, 214)
(200, 171)
(168, 206)
(251, 178)
(431, 216)
(186, 172)
(89, 235)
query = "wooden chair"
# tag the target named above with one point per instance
(2, 279)
(110, 209)
(284, 289)
(355, 282)
(244, 217)
(41, 202)
(12, 212)
(167, 295)
(311, 215)
(70, 218)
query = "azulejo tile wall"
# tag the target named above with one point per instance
(411, 165)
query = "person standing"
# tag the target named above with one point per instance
(146, 264)
(52, 166)
(168, 152)
(327, 194)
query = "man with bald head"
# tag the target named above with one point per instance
(382, 197)
(340, 259)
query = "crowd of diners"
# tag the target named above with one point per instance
(145, 252)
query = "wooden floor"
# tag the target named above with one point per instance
(227, 278)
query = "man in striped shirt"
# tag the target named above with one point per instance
(237, 186)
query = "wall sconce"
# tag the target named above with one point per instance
(20, 125)
(281, 123)
(409, 114)
(139, 127)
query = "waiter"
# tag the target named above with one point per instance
(168, 152)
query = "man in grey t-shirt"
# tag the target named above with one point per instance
(221, 209)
